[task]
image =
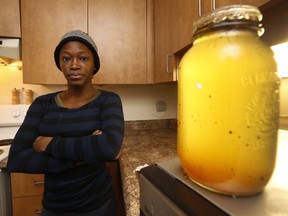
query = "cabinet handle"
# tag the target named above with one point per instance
(38, 212)
(213, 4)
(199, 8)
(168, 56)
(38, 182)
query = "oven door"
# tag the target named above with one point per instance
(5, 180)
(5, 193)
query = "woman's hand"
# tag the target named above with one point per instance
(97, 132)
(41, 142)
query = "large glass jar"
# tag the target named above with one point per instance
(228, 103)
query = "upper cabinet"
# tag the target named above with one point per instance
(10, 18)
(256, 3)
(276, 12)
(119, 29)
(136, 39)
(173, 27)
(43, 24)
(173, 30)
(120, 32)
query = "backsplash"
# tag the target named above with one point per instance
(151, 124)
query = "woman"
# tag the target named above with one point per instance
(68, 136)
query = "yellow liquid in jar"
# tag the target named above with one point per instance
(228, 108)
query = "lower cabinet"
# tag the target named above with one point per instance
(30, 205)
(27, 190)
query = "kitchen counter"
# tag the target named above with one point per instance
(146, 142)
(144, 147)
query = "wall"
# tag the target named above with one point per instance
(284, 96)
(139, 101)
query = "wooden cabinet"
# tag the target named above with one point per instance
(27, 191)
(257, 3)
(173, 30)
(205, 6)
(10, 18)
(120, 32)
(43, 24)
(275, 19)
(119, 29)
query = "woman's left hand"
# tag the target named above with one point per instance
(97, 132)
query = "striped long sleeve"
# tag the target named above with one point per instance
(71, 130)
(69, 186)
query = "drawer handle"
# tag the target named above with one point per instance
(38, 212)
(38, 182)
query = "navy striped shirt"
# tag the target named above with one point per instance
(69, 187)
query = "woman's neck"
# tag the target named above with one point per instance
(75, 98)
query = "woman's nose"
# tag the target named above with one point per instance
(75, 63)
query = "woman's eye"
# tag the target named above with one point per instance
(65, 59)
(84, 58)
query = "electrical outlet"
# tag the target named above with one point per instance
(161, 106)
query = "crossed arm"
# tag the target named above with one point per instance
(41, 142)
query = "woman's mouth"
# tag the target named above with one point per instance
(75, 76)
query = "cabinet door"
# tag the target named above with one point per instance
(119, 30)
(165, 32)
(43, 24)
(10, 18)
(205, 6)
(257, 3)
(27, 184)
(173, 31)
(27, 192)
(27, 206)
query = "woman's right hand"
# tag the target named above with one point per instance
(41, 142)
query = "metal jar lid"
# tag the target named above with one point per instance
(232, 16)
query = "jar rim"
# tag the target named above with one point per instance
(228, 16)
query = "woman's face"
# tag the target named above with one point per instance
(77, 63)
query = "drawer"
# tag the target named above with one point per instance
(27, 184)
(30, 206)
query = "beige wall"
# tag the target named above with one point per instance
(139, 101)
(284, 96)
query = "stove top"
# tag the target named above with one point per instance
(4, 151)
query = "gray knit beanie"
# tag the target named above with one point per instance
(77, 35)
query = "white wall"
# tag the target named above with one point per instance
(284, 96)
(139, 101)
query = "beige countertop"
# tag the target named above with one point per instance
(143, 147)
